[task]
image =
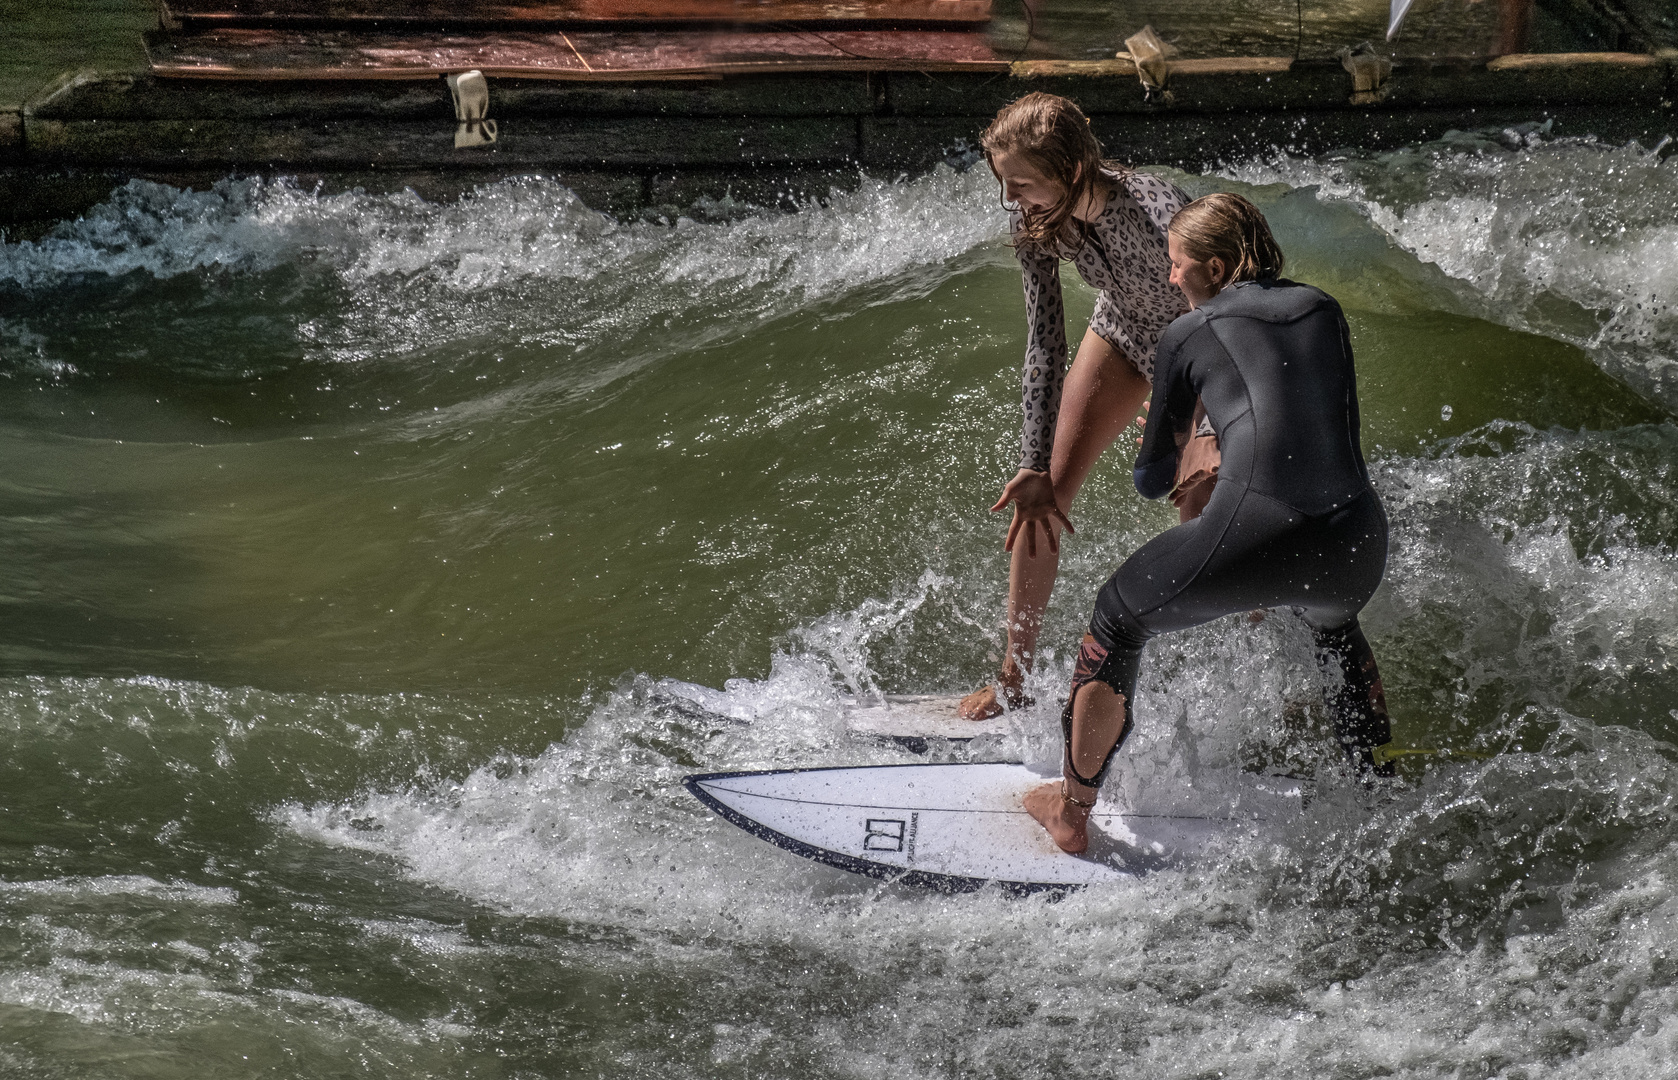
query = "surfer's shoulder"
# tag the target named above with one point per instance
(1176, 335)
(1274, 300)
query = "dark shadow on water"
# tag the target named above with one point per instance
(80, 579)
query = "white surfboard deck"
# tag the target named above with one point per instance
(920, 716)
(952, 827)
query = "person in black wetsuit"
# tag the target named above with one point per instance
(1292, 523)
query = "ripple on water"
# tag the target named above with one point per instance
(1507, 916)
(431, 887)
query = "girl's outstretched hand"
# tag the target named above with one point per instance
(1033, 496)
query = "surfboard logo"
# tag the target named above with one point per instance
(884, 834)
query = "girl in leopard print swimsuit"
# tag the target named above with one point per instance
(1065, 202)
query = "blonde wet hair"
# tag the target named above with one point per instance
(1228, 227)
(1052, 136)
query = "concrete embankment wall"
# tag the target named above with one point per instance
(632, 147)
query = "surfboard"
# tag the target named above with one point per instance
(951, 827)
(911, 719)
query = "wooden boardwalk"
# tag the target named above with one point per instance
(644, 117)
(582, 55)
(478, 14)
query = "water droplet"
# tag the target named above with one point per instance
(1445, 413)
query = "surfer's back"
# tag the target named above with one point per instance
(1272, 362)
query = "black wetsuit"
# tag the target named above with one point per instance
(1292, 523)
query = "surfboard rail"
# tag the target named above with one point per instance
(972, 831)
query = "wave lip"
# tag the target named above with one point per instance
(1571, 238)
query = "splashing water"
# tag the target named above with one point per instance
(1571, 238)
(377, 569)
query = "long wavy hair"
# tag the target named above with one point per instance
(1228, 227)
(1052, 136)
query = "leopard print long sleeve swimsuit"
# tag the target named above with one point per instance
(1125, 258)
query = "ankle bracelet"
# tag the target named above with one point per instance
(1064, 797)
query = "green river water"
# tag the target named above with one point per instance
(372, 571)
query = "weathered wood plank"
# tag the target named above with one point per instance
(580, 55)
(1270, 84)
(11, 133)
(1542, 61)
(94, 96)
(598, 142)
(1211, 84)
(478, 13)
(1599, 80)
(1096, 29)
(1058, 69)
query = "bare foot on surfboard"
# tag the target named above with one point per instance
(981, 704)
(1067, 825)
(1006, 693)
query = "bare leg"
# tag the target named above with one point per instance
(1103, 394)
(1030, 580)
(1098, 716)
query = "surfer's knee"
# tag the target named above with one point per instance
(1099, 662)
(1113, 625)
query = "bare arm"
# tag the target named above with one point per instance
(1103, 394)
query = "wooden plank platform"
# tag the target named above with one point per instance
(588, 55)
(634, 143)
(1542, 61)
(187, 14)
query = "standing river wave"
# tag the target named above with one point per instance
(374, 570)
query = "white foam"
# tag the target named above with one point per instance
(1480, 536)
(522, 255)
(121, 885)
(1427, 931)
(1570, 237)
